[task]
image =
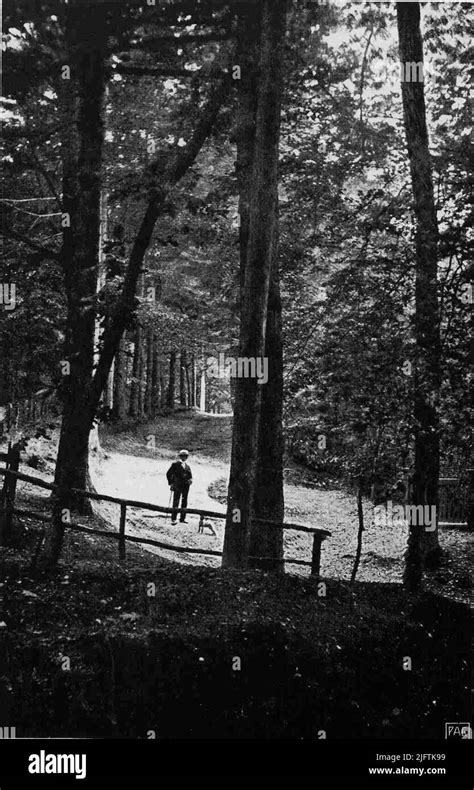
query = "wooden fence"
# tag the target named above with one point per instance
(8, 509)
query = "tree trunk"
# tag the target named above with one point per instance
(135, 410)
(120, 382)
(163, 390)
(202, 389)
(171, 381)
(268, 502)
(188, 387)
(155, 375)
(142, 376)
(427, 331)
(193, 382)
(149, 375)
(260, 255)
(82, 155)
(182, 378)
(109, 391)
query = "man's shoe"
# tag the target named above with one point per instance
(183, 521)
(173, 523)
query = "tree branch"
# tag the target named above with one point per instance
(153, 43)
(162, 71)
(48, 253)
(47, 178)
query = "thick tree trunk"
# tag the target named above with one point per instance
(427, 331)
(83, 137)
(260, 254)
(82, 154)
(267, 541)
(268, 502)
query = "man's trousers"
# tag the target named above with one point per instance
(180, 492)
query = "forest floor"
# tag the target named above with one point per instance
(195, 651)
(198, 652)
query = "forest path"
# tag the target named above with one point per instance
(131, 468)
(128, 467)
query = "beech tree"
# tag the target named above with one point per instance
(427, 376)
(84, 80)
(265, 541)
(258, 245)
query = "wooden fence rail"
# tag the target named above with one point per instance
(8, 509)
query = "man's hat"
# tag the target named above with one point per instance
(183, 452)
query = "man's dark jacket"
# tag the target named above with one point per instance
(179, 475)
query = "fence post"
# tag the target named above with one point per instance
(123, 517)
(316, 555)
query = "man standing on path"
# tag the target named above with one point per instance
(180, 477)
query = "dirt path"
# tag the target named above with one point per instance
(129, 468)
(144, 479)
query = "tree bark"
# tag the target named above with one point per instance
(82, 156)
(202, 389)
(260, 254)
(427, 330)
(171, 381)
(182, 378)
(154, 375)
(193, 382)
(268, 502)
(120, 409)
(188, 387)
(163, 390)
(136, 389)
(267, 541)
